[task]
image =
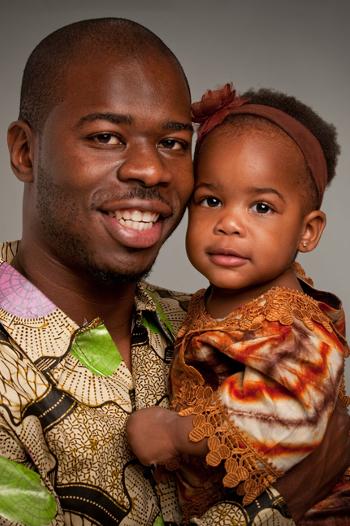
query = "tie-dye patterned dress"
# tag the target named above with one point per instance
(261, 385)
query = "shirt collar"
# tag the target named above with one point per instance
(38, 325)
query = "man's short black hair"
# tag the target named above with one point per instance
(42, 82)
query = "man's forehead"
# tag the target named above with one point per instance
(142, 74)
(117, 90)
(91, 98)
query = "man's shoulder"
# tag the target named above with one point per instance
(3, 335)
(170, 305)
(22, 382)
(8, 249)
(167, 294)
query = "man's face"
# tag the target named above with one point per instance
(113, 170)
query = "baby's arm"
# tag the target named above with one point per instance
(159, 436)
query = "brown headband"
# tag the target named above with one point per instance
(227, 103)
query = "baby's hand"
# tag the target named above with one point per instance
(151, 434)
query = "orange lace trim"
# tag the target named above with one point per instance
(246, 470)
(298, 269)
(345, 399)
(342, 387)
(278, 304)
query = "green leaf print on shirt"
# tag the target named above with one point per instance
(23, 497)
(148, 323)
(162, 317)
(159, 521)
(96, 350)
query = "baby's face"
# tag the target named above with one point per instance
(246, 219)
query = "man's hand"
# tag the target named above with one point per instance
(313, 478)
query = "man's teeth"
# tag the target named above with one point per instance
(136, 225)
(136, 219)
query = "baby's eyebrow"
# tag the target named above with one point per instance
(266, 190)
(210, 186)
(253, 190)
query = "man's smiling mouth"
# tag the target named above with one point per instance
(135, 223)
(135, 219)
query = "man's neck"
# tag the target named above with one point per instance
(80, 297)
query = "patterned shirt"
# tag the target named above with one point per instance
(66, 394)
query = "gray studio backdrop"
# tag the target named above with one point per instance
(301, 47)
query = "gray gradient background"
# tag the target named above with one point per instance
(301, 47)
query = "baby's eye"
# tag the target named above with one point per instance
(211, 202)
(262, 208)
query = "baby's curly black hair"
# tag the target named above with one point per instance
(324, 132)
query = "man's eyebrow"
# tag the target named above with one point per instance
(178, 126)
(114, 118)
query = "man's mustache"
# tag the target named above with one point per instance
(137, 192)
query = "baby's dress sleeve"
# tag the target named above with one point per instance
(264, 403)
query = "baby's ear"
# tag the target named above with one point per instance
(313, 226)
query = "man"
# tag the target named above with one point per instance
(103, 147)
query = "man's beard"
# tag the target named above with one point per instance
(111, 278)
(67, 245)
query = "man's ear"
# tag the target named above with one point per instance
(313, 226)
(20, 140)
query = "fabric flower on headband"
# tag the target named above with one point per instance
(213, 107)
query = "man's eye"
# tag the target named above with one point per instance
(262, 208)
(106, 138)
(173, 144)
(210, 202)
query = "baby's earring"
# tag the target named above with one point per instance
(304, 243)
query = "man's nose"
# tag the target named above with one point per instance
(230, 223)
(144, 165)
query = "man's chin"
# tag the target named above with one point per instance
(111, 277)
